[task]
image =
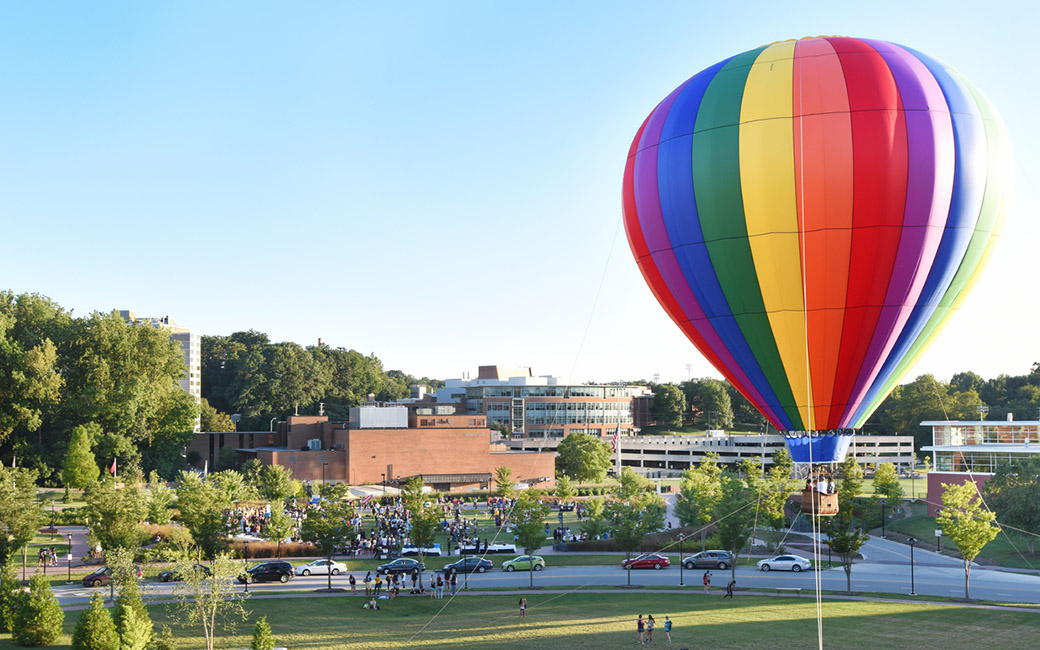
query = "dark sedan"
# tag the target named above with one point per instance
(469, 565)
(103, 576)
(177, 574)
(268, 572)
(400, 565)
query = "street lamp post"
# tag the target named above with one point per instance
(245, 562)
(383, 483)
(69, 558)
(912, 542)
(681, 538)
(882, 519)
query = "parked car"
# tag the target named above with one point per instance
(709, 560)
(177, 573)
(525, 563)
(268, 572)
(567, 507)
(794, 563)
(400, 565)
(321, 568)
(469, 564)
(103, 576)
(647, 561)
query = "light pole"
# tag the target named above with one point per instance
(245, 562)
(912, 542)
(681, 538)
(69, 557)
(323, 465)
(882, 519)
(383, 483)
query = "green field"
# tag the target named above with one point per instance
(596, 621)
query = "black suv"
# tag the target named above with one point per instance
(268, 572)
(709, 560)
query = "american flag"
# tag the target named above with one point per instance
(615, 439)
(365, 500)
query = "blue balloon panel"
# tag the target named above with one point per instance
(818, 447)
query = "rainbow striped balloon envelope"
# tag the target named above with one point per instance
(812, 212)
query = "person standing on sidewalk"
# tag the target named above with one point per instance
(707, 581)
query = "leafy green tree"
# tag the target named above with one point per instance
(233, 486)
(669, 405)
(708, 399)
(213, 420)
(279, 527)
(21, 515)
(227, 459)
(165, 640)
(95, 629)
(424, 517)
(262, 637)
(212, 603)
(596, 524)
(633, 513)
(1014, 494)
(564, 487)
(886, 484)
(700, 489)
(130, 616)
(202, 508)
(10, 593)
(966, 521)
(528, 519)
(159, 500)
(844, 537)
(38, 617)
(80, 469)
(115, 514)
(735, 515)
(328, 526)
(583, 458)
(277, 484)
(504, 482)
(923, 399)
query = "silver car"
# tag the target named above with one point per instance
(794, 563)
(321, 568)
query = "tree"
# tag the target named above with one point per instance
(964, 519)
(165, 640)
(699, 492)
(595, 525)
(886, 484)
(633, 513)
(423, 516)
(277, 484)
(528, 518)
(279, 527)
(38, 617)
(770, 489)
(159, 501)
(95, 629)
(734, 515)
(131, 618)
(80, 469)
(328, 526)
(583, 458)
(213, 420)
(21, 515)
(843, 537)
(708, 399)
(1014, 494)
(212, 602)
(115, 514)
(203, 507)
(262, 637)
(669, 405)
(504, 482)
(10, 593)
(564, 487)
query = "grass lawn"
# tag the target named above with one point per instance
(608, 621)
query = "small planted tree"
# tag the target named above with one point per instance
(844, 538)
(424, 518)
(504, 482)
(596, 523)
(95, 629)
(262, 637)
(528, 517)
(965, 520)
(38, 617)
(564, 487)
(79, 468)
(132, 621)
(279, 527)
(328, 526)
(886, 484)
(211, 602)
(633, 513)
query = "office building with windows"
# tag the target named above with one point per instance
(191, 347)
(526, 406)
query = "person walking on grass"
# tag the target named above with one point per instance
(650, 628)
(707, 581)
(639, 629)
(523, 606)
(729, 590)
(353, 583)
(668, 629)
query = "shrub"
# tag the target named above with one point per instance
(135, 630)
(262, 638)
(261, 550)
(95, 629)
(9, 594)
(38, 617)
(165, 641)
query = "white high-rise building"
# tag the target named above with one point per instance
(191, 346)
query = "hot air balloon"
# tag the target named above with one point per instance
(811, 213)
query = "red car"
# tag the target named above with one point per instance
(649, 561)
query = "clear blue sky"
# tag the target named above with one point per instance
(437, 183)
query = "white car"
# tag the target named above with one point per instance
(321, 567)
(794, 563)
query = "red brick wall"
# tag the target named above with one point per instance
(935, 489)
(306, 465)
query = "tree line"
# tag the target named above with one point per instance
(247, 374)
